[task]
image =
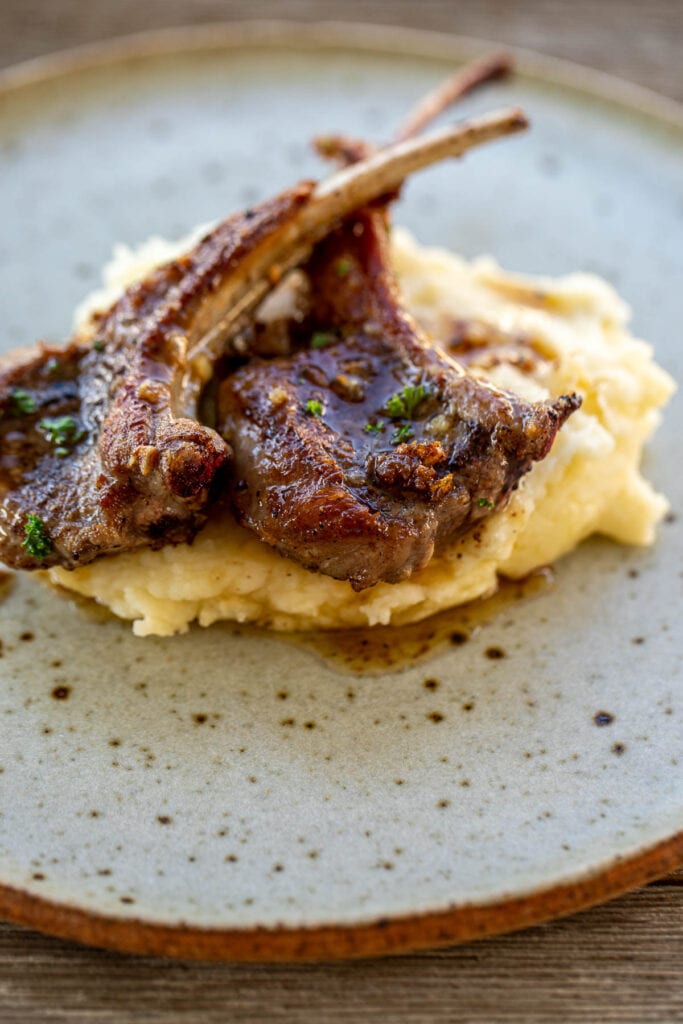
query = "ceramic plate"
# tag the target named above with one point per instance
(233, 795)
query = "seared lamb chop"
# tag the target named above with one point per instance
(366, 453)
(101, 448)
(362, 456)
(98, 453)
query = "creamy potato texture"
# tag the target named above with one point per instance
(572, 335)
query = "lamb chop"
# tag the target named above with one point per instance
(102, 450)
(364, 455)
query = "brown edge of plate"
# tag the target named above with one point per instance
(378, 937)
(331, 942)
(400, 934)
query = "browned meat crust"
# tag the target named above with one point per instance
(102, 448)
(100, 441)
(363, 456)
(327, 469)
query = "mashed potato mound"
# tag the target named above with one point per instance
(590, 482)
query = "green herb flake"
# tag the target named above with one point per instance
(374, 428)
(404, 403)
(37, 543)
(321, 339)
(22, 402)
(314, 407)
(403, 433)
(485, 503)
(61, 430)
(343, 266)
(98, 345)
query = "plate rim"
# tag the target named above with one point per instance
(381, 936)
(367, 37)
(384, 935)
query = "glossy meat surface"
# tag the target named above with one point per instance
(369, 450)
(102, 450)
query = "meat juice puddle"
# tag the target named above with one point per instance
(378, 649)
(373, 650)
(6, 584)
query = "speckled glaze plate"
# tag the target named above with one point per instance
(236, 796)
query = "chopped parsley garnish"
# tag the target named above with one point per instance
(314, 407)
(321, 339)
(23, 402)
(485, 503)
(374, 428)
(404, 403)
(343, 266)
(98, 345)
(403, 433)
(37, 543)
(61, 431)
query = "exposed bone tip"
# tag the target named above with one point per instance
(519, 118)
(487, 68)
(325, 145)
(501, 62)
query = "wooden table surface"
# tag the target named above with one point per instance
(620, 962)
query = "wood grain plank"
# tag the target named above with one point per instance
(618, 963)
(639, 41)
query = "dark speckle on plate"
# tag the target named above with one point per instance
(494, 653)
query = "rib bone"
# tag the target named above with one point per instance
(135, 466)
(333, 199)
(464, 81)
